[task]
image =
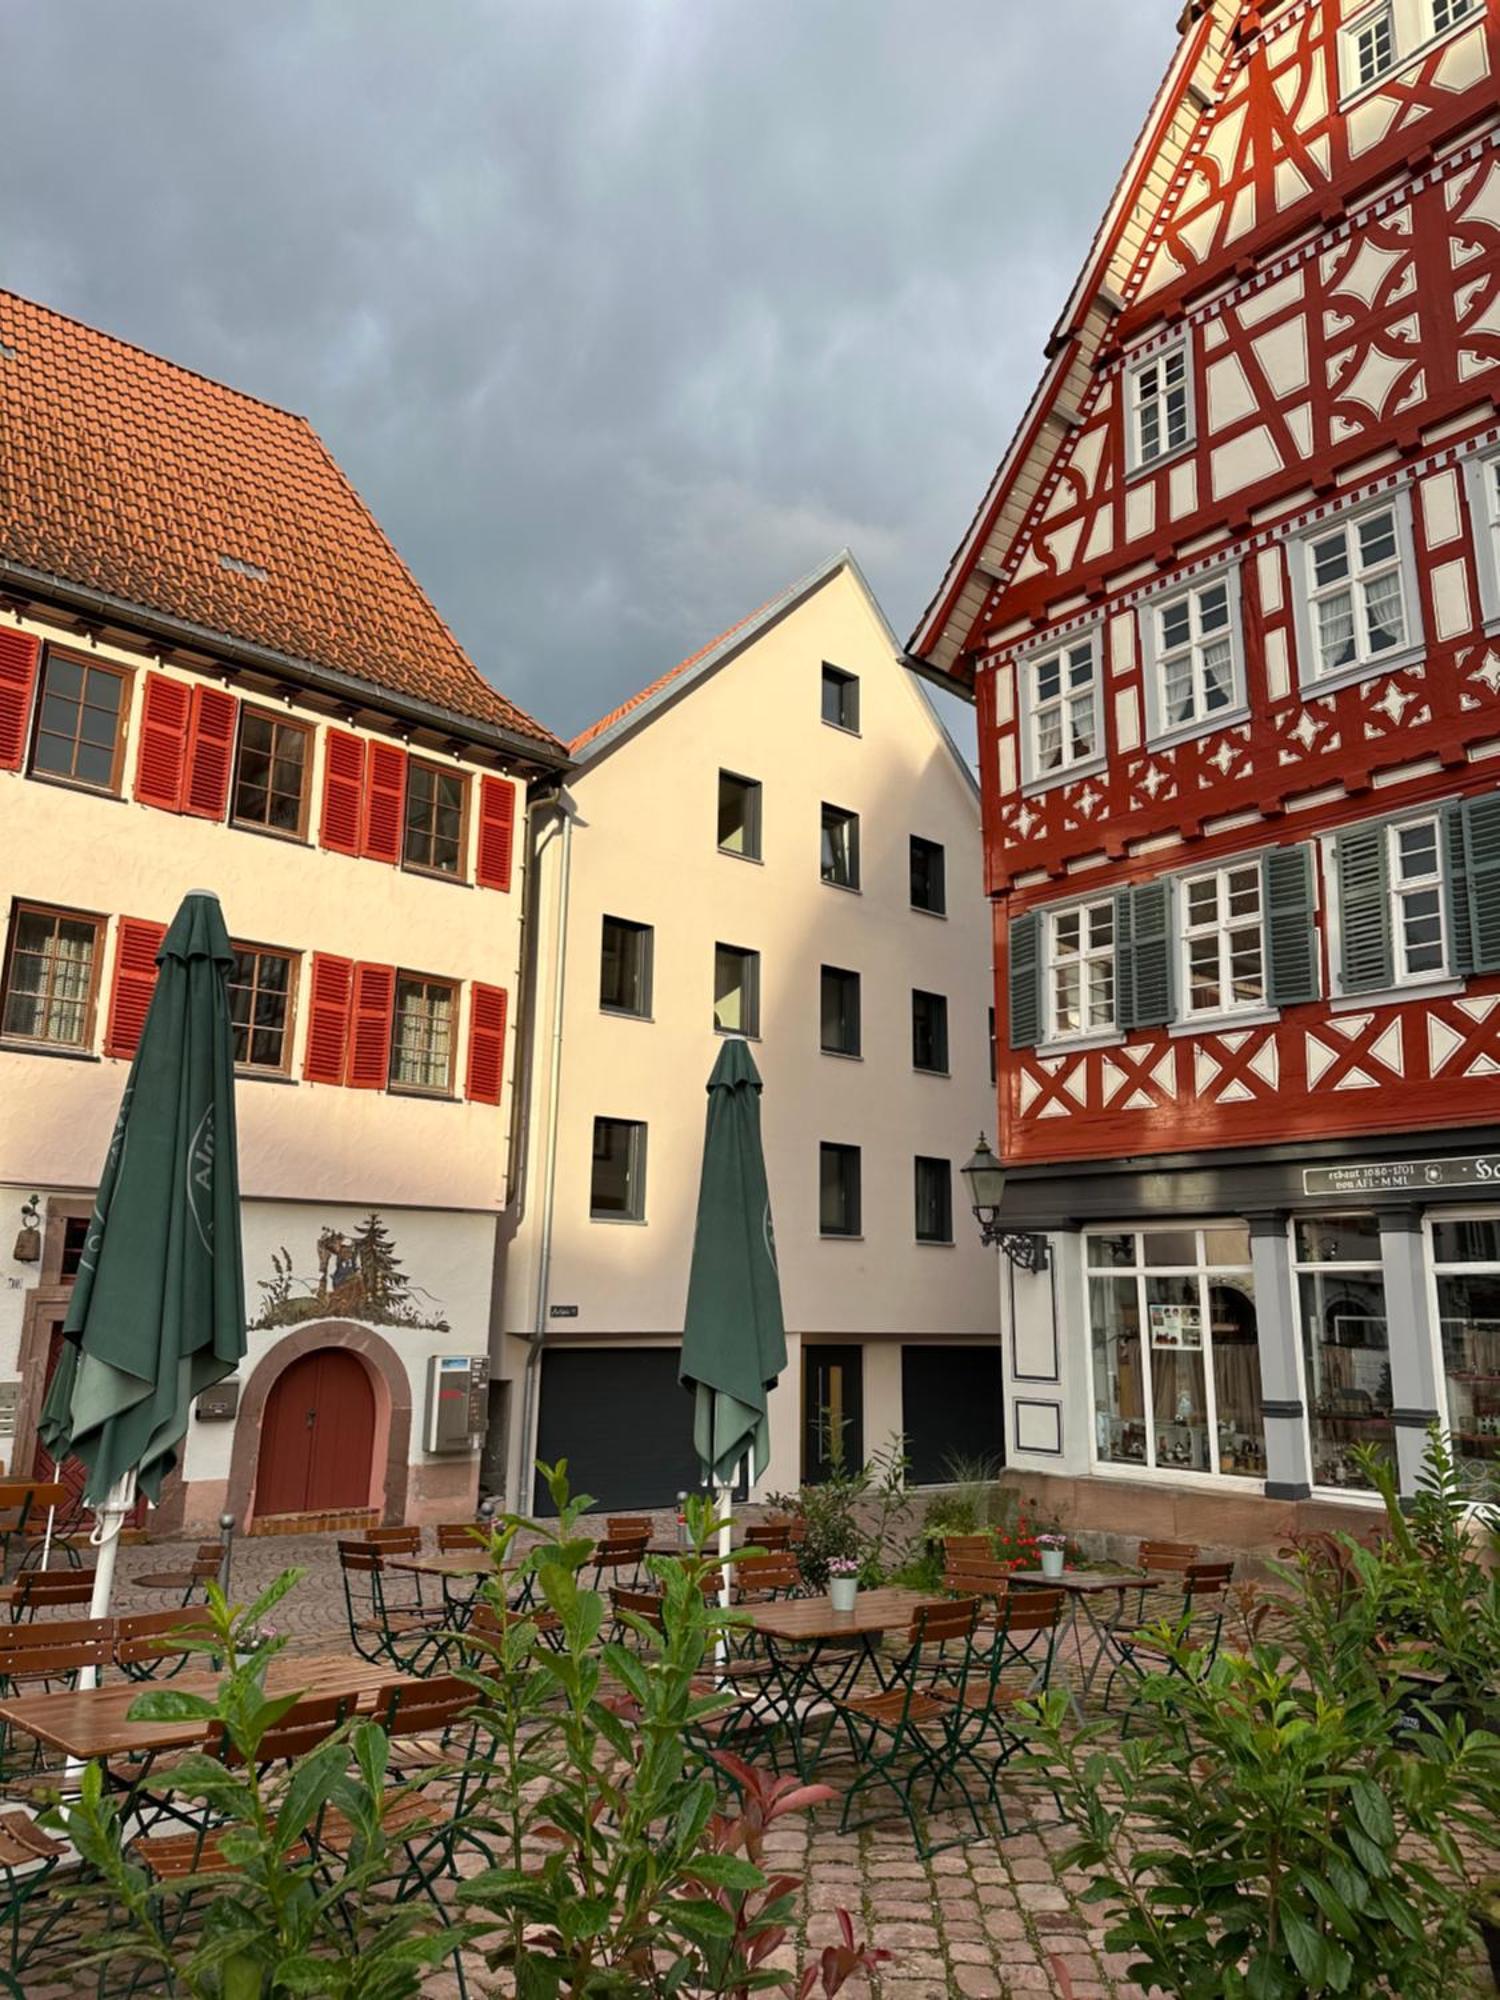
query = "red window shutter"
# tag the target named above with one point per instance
(487, 1010)
(136, 946)
(497, 820)
(164, 733)
(374, 1013)
(343, 792)
(18, 658)
(210, 752)
(385, 797)
(328, 1019)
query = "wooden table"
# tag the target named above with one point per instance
(813, 1627)
(92, 1722)
(810, 1620)
(1082, 1587)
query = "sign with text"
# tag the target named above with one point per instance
(1403, 1176)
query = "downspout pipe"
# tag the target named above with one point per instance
(530, 1391)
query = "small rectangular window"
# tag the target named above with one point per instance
(840, 698)
(1081, 969)
(739, 816)
(1224, 952)
(839, 1207)
(1061, 698)
(617, 1186)
(929, 1032)
(1191, 641)
(1356, 594)
(840, 1011)
(260, 1008)
(1447, 14)
(840, 855)
(436, 809)
(1374, 44)
(1417, 917)
(929, 876)
(80, 715)
(270, 773)
(1161, 411)
(625, 967)
(422, 1038)
(934, 1192)
(51, 978)
(736, 990)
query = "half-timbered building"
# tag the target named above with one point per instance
(1231, 614)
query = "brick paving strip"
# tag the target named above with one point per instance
(985, 1921)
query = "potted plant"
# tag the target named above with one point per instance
(843, 1582)
(1054, 1553)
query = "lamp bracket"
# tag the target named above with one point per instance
(1026, 1249)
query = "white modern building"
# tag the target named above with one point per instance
(779, 840)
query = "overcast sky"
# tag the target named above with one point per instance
(621, 314)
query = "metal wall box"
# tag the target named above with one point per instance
(220, 1404)
(458, 1387)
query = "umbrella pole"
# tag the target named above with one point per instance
(724, 1509)
(109, 1518)
(47, 1537)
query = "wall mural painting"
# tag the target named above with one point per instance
(359, 1277)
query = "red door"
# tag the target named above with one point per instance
(317, 1437)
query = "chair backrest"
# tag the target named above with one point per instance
(363, 1557)
(154, 1635)
(791, 1527)
(942, 1621)
(620, 1550)
(55, 1661)
(772, 1536)
(460, 1538)
(959, 1546)
(425, 1709)
(1171, 1557)
(57, 1632)
(1032, 1610)
(303, 1727)
(645, 1604)
(777, 1572)
(395, 1541)
(43, 1589)
(977, 1576)
(627, 1524)
(1207, 1579)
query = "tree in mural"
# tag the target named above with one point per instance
(359, 1277)
(383, 1282)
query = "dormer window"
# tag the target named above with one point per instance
(1160, 406)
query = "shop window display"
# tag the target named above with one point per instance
(1176, 1365)
(1345, 1344)
(1466, 1261)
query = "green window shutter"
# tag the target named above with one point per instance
(1366, 963)
(1150, 922)
(1025, 976)
(1124, 964)
(1482, 853)
(1291, 936)
(1456, 884)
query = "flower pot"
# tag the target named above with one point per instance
(1052, 1561)
(843, 1590)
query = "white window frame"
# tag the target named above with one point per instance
(1433, 984)
(1438, 1270)
(1434, 883)
(1358, 1496)
(1136, 455)
(1031, 665)
(1088, 954)
(1154, 651)
(1415, 27)
(1482, 477)
(1306, 595)
(1225, 927)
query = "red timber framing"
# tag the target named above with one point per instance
(1325, 254)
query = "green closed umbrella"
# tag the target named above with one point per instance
(158, 1311)
(733, 1336)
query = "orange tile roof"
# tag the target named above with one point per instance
(645, 694)
(125, 474)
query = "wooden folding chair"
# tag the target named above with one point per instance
(191, 1577)
(399, 1637)
(38, 1658)
(1017, 1665)
(24, 1507)
(149, 1645)
(617, 1525)
(460, 1538)
(1199, 1618)
(617, 1554)
(37, 1590)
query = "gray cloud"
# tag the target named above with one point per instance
(620, 313)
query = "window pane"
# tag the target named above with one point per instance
(739, 816)
(1338, 1239)
(1107, 1250)
(934, 1201)
(617, 1183)
(1167, 1247)
(736, 1008)
(838, 1190)
(928, 876)
(50, 979)
(839, 994)
(78, 722)
(422, 1043)
(1119, 1388)
(1345, 1353)
(1469, 1320)
(625, 967)
(1472, 1241)
(1174, 1319)
(840, 855)
(1235, 1348)
(840, 698)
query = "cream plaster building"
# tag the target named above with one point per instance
(215, 672)
(777, 839)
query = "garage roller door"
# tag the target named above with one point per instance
(619, 1418)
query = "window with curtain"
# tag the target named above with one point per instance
(1173, 1342)
(1161, 411)
(1062, 702)
(260, 1008)
(1222, 943)
(422, 1040)
(1193, 649)
(1356, 593)
(1081, 969)
(1466, 1261)
(50, 978)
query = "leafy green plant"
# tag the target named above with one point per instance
(860, 1512)
(1259, 1835)
(268, 1922)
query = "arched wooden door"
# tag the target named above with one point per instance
(317, 1436)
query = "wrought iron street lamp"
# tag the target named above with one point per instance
(985, 1178)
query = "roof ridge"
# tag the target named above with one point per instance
(162, 360)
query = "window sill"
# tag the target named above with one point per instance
(843, 1055)
(620, 1221)
(934, 1242)
(848, 888)
(114, 795)
(922, 1069)
(842, 728)
(246, 1074)
(1363, 670)
(279, 833)
(737, 1034)
(732, 854)
(921, 910)
(1225, 1023)
(17, 1048)
(1089, 767)
(1187, 732)
(1415, 989)
(1066, 1045)
(411, 1091)
(625, 1014)
(840, 1236)
(1149, 465)
(435, 875)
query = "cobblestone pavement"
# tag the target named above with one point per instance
(981, 1921)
